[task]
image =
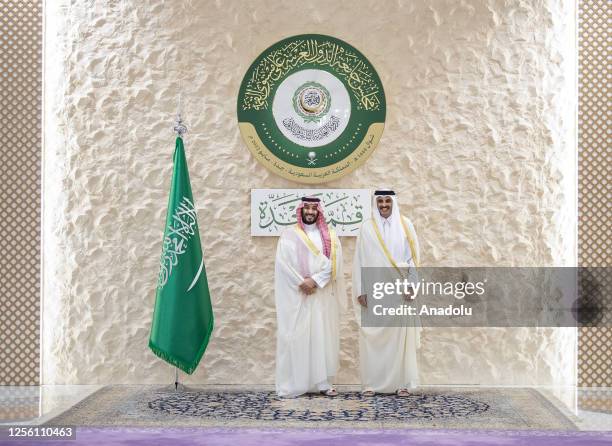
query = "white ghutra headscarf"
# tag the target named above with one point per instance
(391, 229)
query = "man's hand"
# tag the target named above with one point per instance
(363, 300)
(308, 286)
(409, 294)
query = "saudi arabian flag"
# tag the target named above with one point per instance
(183, 316)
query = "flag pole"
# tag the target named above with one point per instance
(183, 318)
(180, 128)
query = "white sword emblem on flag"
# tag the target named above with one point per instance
(197, 276)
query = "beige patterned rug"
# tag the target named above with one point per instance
(449, 408)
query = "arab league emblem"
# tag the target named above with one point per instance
(311, 108)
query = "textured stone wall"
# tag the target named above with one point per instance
(479, 143)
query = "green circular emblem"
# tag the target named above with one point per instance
(311, 108)
(311, 101)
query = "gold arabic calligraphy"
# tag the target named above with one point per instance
(357, 73)
(341, 209)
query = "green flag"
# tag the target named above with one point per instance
(183, 316)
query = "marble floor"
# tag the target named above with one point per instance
(33, 405)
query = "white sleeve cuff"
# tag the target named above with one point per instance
(321, 279)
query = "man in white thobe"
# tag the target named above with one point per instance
(310, 295)
(388, 359)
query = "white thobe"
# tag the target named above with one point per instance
(322, 277)
(399, 249)
(388, 359)
(308, 327)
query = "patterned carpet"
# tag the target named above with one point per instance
(424, 408)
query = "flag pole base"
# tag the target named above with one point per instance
(171, 388)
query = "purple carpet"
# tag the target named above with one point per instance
(310, 437)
